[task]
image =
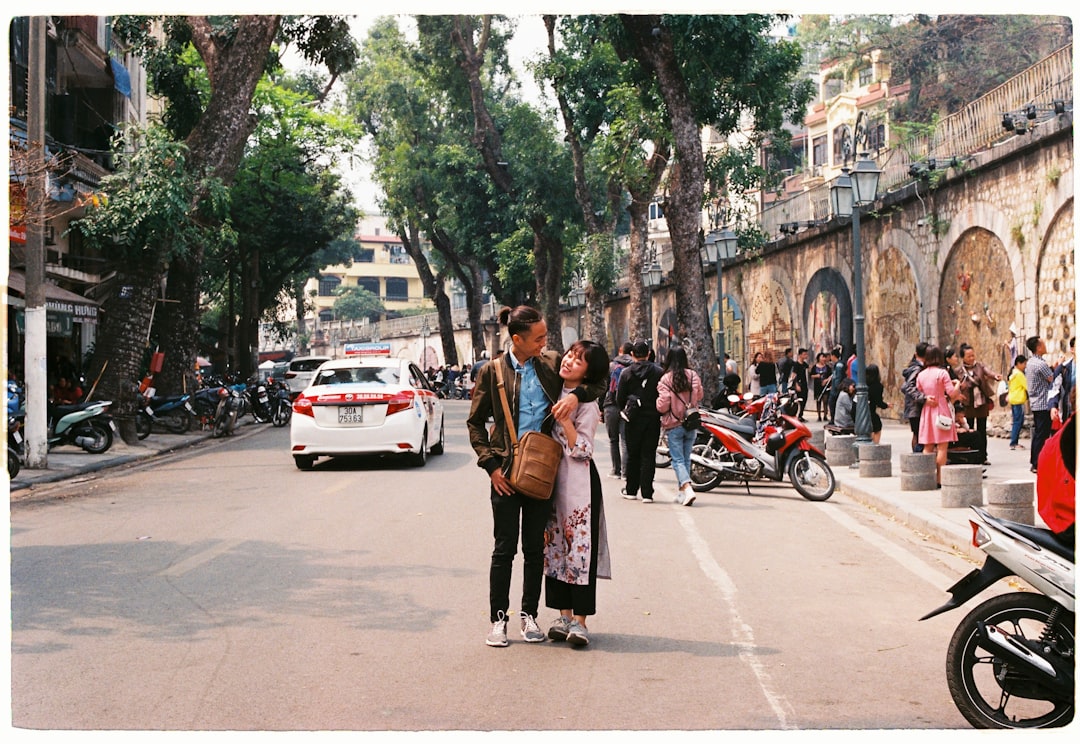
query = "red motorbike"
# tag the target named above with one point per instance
(766, 441)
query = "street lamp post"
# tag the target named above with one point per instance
(849, 193)
(651, 276)
(425, 331)
(720, 246)
(577, 297)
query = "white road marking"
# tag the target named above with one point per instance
(743, 634)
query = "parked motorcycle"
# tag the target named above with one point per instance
(765, 442)
(280, 403)
(257, 394)
(87, 425)
(1011, 661)
(171, 412)
(230, 402)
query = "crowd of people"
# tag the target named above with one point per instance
(947, 396)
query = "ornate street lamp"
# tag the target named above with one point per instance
(720, 246)
(852, 190)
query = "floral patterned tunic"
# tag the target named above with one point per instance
(568, 539)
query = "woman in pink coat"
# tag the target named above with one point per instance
(935, 383)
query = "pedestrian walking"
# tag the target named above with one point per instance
(752, 373)
(636, 397)
(978, 386)
(575, 540)
(1016, 398)
(784, 370)
(839, 373)
(533, 390)
(800, 380)
(913, 399)
(1066, 372)
(766, 371)
(937, 421)
(679, 391)
(876, 399)
(616, 427)
(821, 377)
(1039, 376)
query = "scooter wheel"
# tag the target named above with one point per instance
(14, 464)
(143, 425)
(989, 690)
(100, 436)
(811, 476)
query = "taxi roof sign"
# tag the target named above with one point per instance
(369, 349)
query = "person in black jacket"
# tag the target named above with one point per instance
(616, 427)
(636, 398)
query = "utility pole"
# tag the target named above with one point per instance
(35, 360)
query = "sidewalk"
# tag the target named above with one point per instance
(68, 461)
(922, 510)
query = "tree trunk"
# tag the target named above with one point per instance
(122, 340)
(216, 146)
(653, 47)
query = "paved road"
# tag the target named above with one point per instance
(224, 589)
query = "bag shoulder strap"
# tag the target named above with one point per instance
(506, 406)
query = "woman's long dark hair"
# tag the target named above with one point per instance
(873, 375)
(677, 363)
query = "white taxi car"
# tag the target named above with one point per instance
(367, 403)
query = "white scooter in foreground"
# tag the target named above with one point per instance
(1011, 662)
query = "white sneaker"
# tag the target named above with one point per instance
(688, 495)
(530, 631)
(497, 636)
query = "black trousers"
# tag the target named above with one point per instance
(513, 515)
(978, 425)
(616, 438)
(1040, 432)
(580, 598)
(642, 439)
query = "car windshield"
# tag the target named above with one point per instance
(377, 375)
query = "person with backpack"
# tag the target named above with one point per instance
(680, 391)
(616, 427)
(636, 398)
(913, 399)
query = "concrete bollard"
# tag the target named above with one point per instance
(1012, 499)
(918, 472)
(875, 460)
(817, 438)
(840, 449)
(961, 486)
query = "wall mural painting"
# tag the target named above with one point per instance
(977, 298)
(769, 321)
(892, 319)
(733, 329)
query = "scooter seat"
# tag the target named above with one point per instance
(745, 427)
(63, 409)
(160, 400)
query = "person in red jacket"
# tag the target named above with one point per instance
(1056, 482)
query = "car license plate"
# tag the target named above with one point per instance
(17, 437)
(350, 415)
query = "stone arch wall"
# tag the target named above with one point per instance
(827, 312)
(1055, 293)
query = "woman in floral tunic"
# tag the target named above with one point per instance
(575, 542)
